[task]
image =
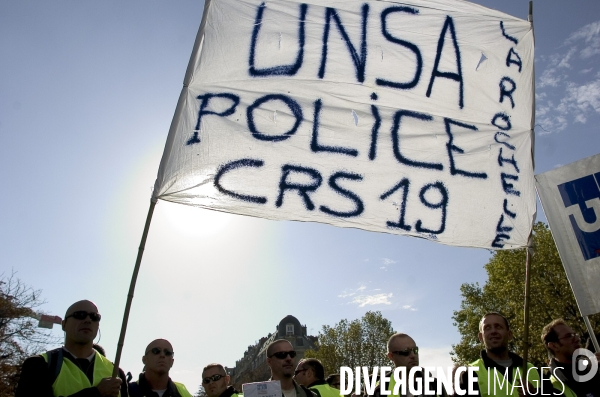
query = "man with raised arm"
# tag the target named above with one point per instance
(216, 382)
(310, 373)
(280, 359)
(155, 381)
(75, 369)
(561, 342)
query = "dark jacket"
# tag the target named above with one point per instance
(142, 388)
(564, 373)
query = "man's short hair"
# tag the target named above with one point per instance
(316, 366)
(214, 365)
(493, 314)
(272, 345)
(396, 335)
(549, 334)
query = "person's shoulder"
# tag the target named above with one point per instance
(36, 362)
(183, 391)
(308, 392)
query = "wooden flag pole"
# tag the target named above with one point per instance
(136, 269)
(526, 309)
(172, 130)
(530, 240)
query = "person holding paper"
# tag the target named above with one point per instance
(155, 381)
(310, 373)
(561, 342)
(215, 382)
(280, 359)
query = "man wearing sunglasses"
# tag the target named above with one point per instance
(310, 373)
(404, 353)
(215, 382)
(280, 358)
(561, 342)
(76, 368)
(155, 381)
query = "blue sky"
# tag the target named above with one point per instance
(87, 93)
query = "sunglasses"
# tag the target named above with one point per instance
(213, 378)
(406, 352)
(82, 315)
(283, 355)
(157, 350)
(296, 372)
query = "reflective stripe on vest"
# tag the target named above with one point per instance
(501, 386)
(326, 390)
(71, 379)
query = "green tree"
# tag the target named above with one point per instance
(19, 335)
(551, 297)
(353, 343)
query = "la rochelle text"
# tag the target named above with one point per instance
(449, 380)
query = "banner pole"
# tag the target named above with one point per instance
(530, 240)
(136, 270)
(586, 320)
(526, 309)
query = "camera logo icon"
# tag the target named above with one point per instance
(583, 360)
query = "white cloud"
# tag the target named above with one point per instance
(352, 292)
(386, 262)
(583, 97)
(589, 37)
(566, 98)
(377, 299)
(564, 62)
(409, 307)
(548, 78)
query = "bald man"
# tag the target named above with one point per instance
(155, 381)
(76, 368)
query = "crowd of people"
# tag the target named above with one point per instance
(78, 369)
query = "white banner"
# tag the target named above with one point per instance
(570, 196)
(409, 118)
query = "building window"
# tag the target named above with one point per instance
(289, 329)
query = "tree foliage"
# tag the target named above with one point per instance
(551, 297)
(19, 335)
(353, 343)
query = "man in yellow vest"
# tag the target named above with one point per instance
(75, 368)
(561, 342)
(155, 381)
(215, 382)
(310, 373)
(499, 371)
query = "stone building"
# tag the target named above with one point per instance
(252, 367)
